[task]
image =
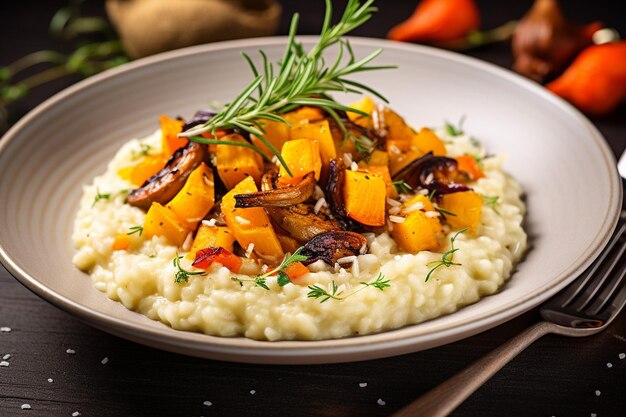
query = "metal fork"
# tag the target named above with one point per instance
(585, 307)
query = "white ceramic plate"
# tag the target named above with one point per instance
(562, 162)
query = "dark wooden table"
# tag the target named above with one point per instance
(108, 376)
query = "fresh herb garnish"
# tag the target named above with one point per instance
(444, 211)
(447, 258)
(144, 150)
(333, 292)
(363, 145)
(453, 130)
(283, 278)
(100, 196)
(182, 275)
(402, 187)
(135, 229)
(491, 201)
(301, 79)
(432, 195)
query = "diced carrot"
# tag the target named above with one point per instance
(296, 270)
(467, 163)
(121, 242)
(205, 257)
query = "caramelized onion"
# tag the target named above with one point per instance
(279, 197)
(334, 245)
(436, 173)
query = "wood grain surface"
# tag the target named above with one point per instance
(108, 376)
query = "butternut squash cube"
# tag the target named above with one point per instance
(148, 166)
(276, 133)
(211, 237)
(301, 156)
(304, 114)
(251, 225)
(428, 141)
(196, 198)
(170, 128)
(467, 205)
(234, 163)
(418, 232)
(319, 131)
(364, 195)
(161, 221)
(366, 105)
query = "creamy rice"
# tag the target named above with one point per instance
(142, 277)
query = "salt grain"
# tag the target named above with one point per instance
(622, 355)
(363, 384)
(208, 403)
(70, 351)
(104, 361)
(593, 415)
(25, 406)
(5, 329)
(381, 402)
(609, 365)
(50, 380)
(7, 356)
(598, 393)
(4, 363)
(75, 414)
(252, 392)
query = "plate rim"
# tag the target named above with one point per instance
(241, 349)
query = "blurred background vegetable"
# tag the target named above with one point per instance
(545, 42)
(596, 80)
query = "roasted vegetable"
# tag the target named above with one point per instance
(251, 225)
(436, 173)
(234, 163)
(279, 197)
(466, 207)
(366, 105)
(301, 222)
(302, 156)
(468, 164)
(320, 132)
(166, 183)
(426, 141)
(277, 133)
(148, 166)
(331, 246)
(161, 221)
(364, 195)
(211, 237)
(170, 142)
(206, 257)
(196, 198)
(419, 230)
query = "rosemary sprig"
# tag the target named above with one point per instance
(402, 187)
(283, 278)
(135, 229)
(334, 293)
(182, 275)
(447, 258)
(300, 79)
(100, 196)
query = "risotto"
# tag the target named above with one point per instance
(389, 281)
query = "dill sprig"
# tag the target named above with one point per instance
(283, 278)
(447, 258)
(182, 275)
(491, 201)
(100, 196)
(300, 79)
(335, 293)
(135, 229)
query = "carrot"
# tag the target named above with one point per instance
(438, 21)
(296, 270)
(467, 163)
(596, 80)
(205, 257)
(121, 242)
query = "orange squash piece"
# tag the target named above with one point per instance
(170, 128)
(196, 198)
(211, 237)
(418, 232)
(467, 163)
(234, 163)
(121, 241)
(427, 141)
(161, 221)
(366, 105)
(303, 114)
(251, 225)
(364, 195)
(148, 166)
(467, 205)
(319, 131)
(301, 156)
(276, 133)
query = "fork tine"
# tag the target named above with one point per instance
(614, 283)
(587, 284)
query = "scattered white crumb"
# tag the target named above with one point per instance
(104, 361)
(593, 414)
(381, 402)
(252, 392)
(622, 355)
(7, 356)
(70, 351)
(4, 363)
(363, 384)
(5, 329)
(50, 380)
(208, 403)
(598, 393)
(609, 365)
(25, 406)
(75, 414)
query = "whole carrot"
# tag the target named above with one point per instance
(596, 80)
(438, 21)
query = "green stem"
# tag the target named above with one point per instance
(479, 38)
(35, 58)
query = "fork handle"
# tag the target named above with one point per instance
(443, 399)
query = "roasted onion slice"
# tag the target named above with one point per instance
(334, 245)
(279, 197)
